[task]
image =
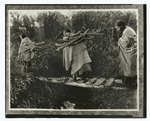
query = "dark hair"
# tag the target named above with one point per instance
(23, 36)
(67, 30)
(121, 24)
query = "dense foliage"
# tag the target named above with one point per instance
(48, 62)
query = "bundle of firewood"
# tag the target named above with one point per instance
(38, 46)
(76, 38)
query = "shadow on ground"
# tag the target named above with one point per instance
(91, 98)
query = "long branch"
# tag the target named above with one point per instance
(81, 37)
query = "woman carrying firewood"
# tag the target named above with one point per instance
(127, 53)
(26, 52)
(76, 57)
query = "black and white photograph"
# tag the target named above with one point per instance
(75, 60)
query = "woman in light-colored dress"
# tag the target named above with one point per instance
(127, 53)
(26, 52)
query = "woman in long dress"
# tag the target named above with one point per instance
(76, 57)
(26, 52)
(127, 53)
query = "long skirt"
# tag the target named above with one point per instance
(81, 62)
(128, 61)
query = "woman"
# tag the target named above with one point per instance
(127, 53)
(76, 57)
(26, 52)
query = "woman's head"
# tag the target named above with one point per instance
(66, 31)
(120, 25)
(23, 36)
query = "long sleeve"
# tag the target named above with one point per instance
(128, 39)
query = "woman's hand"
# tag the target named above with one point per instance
(32, 48)
(57, 49)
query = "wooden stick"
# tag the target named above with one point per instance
(69, 43)
(80, 38)
(40, 43)
(91, 34)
